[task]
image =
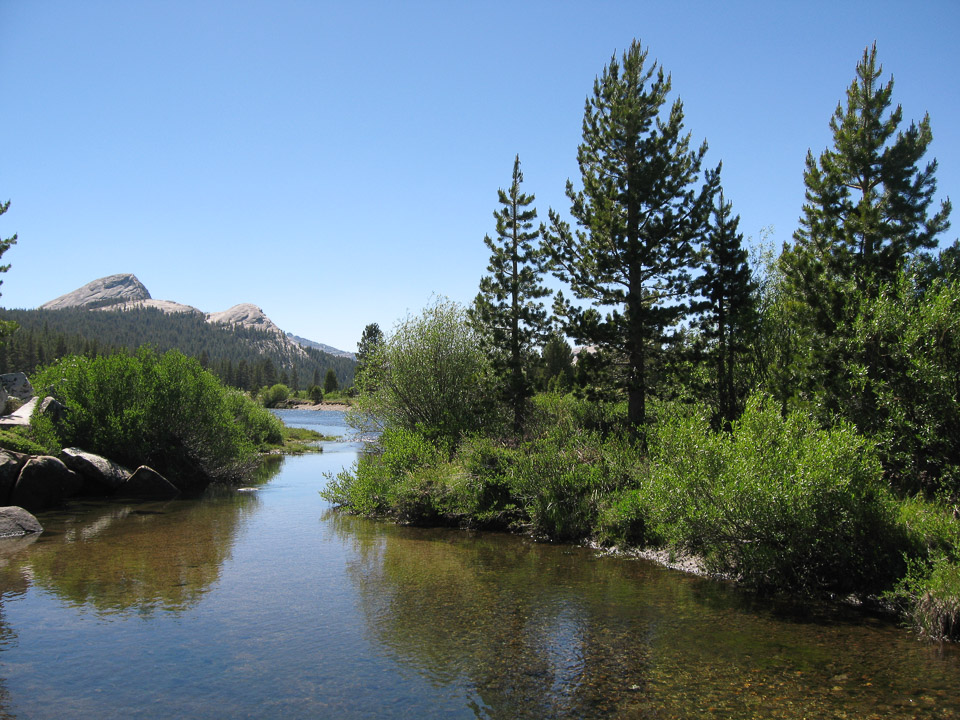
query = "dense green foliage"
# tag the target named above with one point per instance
(776, 502)
(430, 376)
(164, 411)
(244, 358)
(794, 425)
(727, 314)
(507, 311)
(275, 395)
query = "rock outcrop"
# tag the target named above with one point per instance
(108, 290)
(98, 472)
(17, 385)
(245, 315)
(44, 482)
(15, 521)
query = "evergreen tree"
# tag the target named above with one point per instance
(729, 318)
(556, 371)
(639, 215)
(330, 383)
(6, 327)
(866, 213)
(506, 311)
(867, 203)
(370, 341)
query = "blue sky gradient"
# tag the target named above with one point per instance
(338, 164)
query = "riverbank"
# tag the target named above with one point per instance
(732, 503)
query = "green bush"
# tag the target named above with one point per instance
(779, 502)
(431, 376)
(16, 441)
(275, 395)
(563, 479)
(163, 411)
(929, 593)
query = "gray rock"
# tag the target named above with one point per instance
(3, 400)
(11, 464)
(53, 408)
(21, 416)
(16, 521)
(147, 483)
(107, 290)
(17, 385)
(103, 473)
(44, 482)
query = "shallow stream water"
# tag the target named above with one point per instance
(266, 604)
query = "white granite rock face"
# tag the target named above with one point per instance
(111, 289)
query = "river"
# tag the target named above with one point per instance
(266, 604)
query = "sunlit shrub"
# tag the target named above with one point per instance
(165, 411)
(778, 502)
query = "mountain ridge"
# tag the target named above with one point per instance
(124, 291)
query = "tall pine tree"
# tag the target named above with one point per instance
(370, 342)
(507, 311)
(728, 312)
(6, 327)
(639, 215)
(867, 211)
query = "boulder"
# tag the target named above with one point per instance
(17, 385)
(53, 408)
(11, 464)
(44, 482)
(147, 483)
(15, 521)
(98, 473)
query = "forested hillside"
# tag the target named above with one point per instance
(241, 357)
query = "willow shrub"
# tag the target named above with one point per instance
(164, 411)
(929, 593)
(778, 502)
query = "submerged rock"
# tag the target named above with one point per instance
(15, 521)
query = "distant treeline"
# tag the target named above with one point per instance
(245, 358)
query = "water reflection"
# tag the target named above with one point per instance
(528, 630)
(133, 558)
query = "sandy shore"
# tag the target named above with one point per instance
(311, 406)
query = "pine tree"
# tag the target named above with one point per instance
(729, 317)
(866, 214)
(867, 203)
(370, 341)
(639, 215)
(6, 327)
(330, 383)
(507, 311)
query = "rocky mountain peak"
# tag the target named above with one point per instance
(245, 315)
(109, 290)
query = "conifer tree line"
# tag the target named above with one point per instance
(664, 303)
(245, 358)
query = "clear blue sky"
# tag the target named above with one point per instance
(337, 163)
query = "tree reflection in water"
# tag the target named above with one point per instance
(516, 623)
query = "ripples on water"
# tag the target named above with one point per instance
(269, 604)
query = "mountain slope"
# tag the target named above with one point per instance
(241, 345)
